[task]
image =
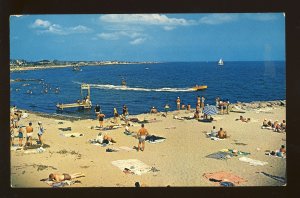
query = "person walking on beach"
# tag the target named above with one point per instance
(41, 130)
(167, 107)
(116, 116)
(142, 134)
(188, 107)
(29, 132)
(100, 117)
(125, 110)
(178, 103)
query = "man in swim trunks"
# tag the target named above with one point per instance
(20, 135)
(142, 133)
(101, 119)
(198, 101)
(202, 102)
(178, 103)
(64, 176)
(97, 109)
(222, 134)
(29, 132)
(153, 110)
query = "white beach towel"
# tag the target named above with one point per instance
(24, 115)
(16, 148)
(125, 148)
(72, 134)
(38, 150)
(134, 165)
(253, 162)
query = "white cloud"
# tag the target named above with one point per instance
(41, 23)
(48, 27)
(214, 19)
(17, 15)
(119, 35)
(145, 19)
(109, 36)
(262, 16)
(137, 41)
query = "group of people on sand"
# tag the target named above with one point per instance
(21, 130)
(222, 105)
(276, 126)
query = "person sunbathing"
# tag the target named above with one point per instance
(64, 176)
(222, 134)
(243, 119)
(265, 123)
(104, 139)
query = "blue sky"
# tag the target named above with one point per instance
(149, 37)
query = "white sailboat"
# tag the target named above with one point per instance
(221, 62)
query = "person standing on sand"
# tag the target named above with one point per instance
(116, 116)
(198, 101)
(167, 107)
(97, 109)
(202, 102)
(178, 103)
(29, 133)
(41, 130)
(142, 134)
(12, 134)
(125, 110)
(100, 117)
(20, 135)
(188, 107)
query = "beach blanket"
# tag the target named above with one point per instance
(149, 121)
(134, 166)
(220, 155)
(277, 178)
(59, 184)
(223, 176)
(171, 127)
(125, 148)
(237, 152)
(112, 127)
(253, 162)
(38, 150)
(154, 139)
(96, 143)
(73, 134)
(65, 129)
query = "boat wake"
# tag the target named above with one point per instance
(126, 88)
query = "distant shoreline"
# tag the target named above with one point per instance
(241, 106)
(40, 67)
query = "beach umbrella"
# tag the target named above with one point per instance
(210, 110)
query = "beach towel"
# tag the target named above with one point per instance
(171, 127)
(224, 176)
(125, 148)
(16, 148)
(154, 139)
(277, 178)
(216, 138)
(220, 155)
(65, 129)
(178, 118)
(134, 166)
(38, 150)
(253, 162)
(73, 134)
(237, 152)
(149, 121)
(112, 127)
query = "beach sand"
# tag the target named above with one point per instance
(180, 159)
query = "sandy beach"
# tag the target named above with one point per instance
(180, 160)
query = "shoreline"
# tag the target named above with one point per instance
(245, 106)
(40, 67)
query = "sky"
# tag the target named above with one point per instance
(149, 37)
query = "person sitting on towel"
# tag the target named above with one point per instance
(222, 134)
(270, 123)
(64, 176)
(265, 124)
(214, 132)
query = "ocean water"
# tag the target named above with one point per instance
(149, 85)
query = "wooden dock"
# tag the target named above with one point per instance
(73, 105)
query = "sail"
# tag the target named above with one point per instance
(220, 62)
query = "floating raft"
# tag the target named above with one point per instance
(72, 105)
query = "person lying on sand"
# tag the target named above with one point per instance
(222, 134)
(104, 139)
(62, 177)
(243, 119)
(280, 153)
